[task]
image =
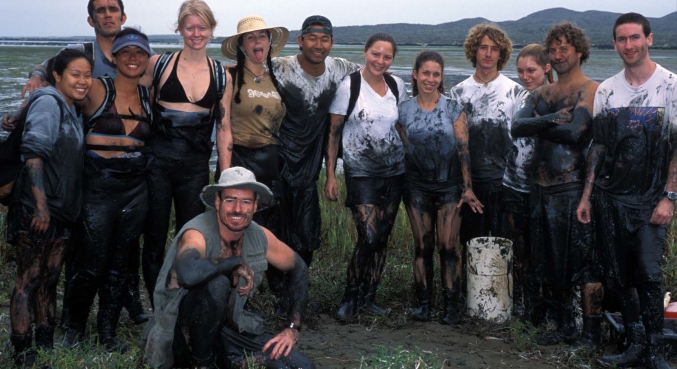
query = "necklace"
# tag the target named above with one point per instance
(486, 83)
(257, 78)
(423, 104)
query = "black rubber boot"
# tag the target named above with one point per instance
(367, 302)
(44, 337)
(566, 328)
(82, 290)
(654, 358)
(534, 306)
(347, 309)
(110, 306)
(633, 354)
(24, 354)
(422, 312)
(591, 336)
(132, 300)
(452, 313)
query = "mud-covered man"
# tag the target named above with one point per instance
(308, 81)
(216, 260)
(491, 100)
(632, 179)
(560, 116)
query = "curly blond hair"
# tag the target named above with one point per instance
(496, 34)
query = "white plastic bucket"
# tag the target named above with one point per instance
(490, 278)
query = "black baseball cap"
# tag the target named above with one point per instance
(314, 20)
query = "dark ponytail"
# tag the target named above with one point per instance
(239, 70)
(269, 63)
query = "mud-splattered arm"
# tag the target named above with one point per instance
(577, 129)
(528, 123)
(336, 123)
(193, 268)
(462, 136)
(224, 136)
(41, 218)
(402, 131)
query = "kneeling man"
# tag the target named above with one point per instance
(214, 263)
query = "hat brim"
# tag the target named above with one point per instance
(279, 38)
(141, 45)
(265, 200)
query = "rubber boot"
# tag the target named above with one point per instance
(591, 336)
(452, 313)
(518, 301)
(44, 337)
(347, 309)
(368, 297)
(132, 300)
(534, 306)
(24, 355)
(82, 290)
(566, 328)
(633, 354)
(654, 358)
(422, 312)
(110, 306)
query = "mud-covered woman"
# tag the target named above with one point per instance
(257, 108)
(373, 165)
(46, 200)
(117, 118)
(190, 102)
(434, 132)
(533, 70)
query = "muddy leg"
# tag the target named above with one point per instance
(45, 297)
(448, 223)
(421, 218)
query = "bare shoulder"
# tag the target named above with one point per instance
(192, 239)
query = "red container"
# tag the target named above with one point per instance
(671, 311)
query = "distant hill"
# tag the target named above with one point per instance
(532, 28)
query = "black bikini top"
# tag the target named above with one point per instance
(172, 91)
(111, 124)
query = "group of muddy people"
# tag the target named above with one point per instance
(580, 176)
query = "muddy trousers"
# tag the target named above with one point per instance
(180, 181)
(112, 221)
(299, 226)
(39, 262)
(202, 340)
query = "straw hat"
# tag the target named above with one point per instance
(238, 178)
(252, 23)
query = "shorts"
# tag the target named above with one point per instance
(435, 193)
(374, 191)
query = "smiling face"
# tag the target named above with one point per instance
(378, 58)
(563, 56)
(131, 61)
(75, 81)
(632, 45)
(488, 54)
(108, 18)
(530, 73)
(315, 46)
(195, 32)
(428, 77)
(235, 208)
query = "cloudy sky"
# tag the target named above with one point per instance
(68, 17)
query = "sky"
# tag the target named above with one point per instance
(69, 17)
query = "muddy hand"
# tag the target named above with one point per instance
(468, 197)
(583, 211)
(283, 343)
(331, 189)
(9, 121)
(247, 273)
(33, 84)
(565, 115)
(40, 221)
(663, 212)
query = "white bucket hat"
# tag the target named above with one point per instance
(239, 178)
(279, 36)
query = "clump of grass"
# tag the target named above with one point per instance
(399, 358)
(522, 335)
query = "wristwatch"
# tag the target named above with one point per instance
(291, 325)
(672, 196)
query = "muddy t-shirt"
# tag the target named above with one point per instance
(490, 111)
(304, 126)
(636, 126)
(255, 121)
(518, 163)
(371, 145)
(430, 155)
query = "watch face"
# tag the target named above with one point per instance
(672, 196)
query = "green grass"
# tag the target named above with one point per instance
(399, 358)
